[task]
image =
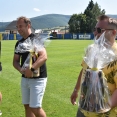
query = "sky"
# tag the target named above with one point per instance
(11, 9)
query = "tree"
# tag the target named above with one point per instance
(92, 12)
(89, 8)
(85, 22)
(89, 16)
(77, 23)
(96, 11)
(72, 23)
(81, 18)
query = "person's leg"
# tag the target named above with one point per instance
(79, 114)
(28, 111)
(39, 112)
(25, 97)
(37, 89)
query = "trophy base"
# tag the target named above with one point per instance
(103, 111)
(36, 73)
(93, 112)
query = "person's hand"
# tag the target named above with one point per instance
(74, 97)
(28, 73)
(22, 71)
(0, 96)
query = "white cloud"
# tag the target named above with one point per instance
(36, 9)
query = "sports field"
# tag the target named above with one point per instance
(63, 64)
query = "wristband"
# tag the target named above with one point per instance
(75, 90)
(32, 69)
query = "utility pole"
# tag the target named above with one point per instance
(65, 29)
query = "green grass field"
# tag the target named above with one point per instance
(63, 64)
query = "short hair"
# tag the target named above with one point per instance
(111, 21)
(26, 20)
(102, 17)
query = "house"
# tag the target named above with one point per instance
(37, 31)
(11, 28)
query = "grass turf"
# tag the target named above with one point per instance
(63, 64)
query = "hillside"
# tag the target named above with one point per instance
(50, 20)
(3, 25)
(44, 21)
(113, 16)
(47, 21)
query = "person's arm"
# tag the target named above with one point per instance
(16, 63)
(76, 89)
(38, 63)
(41, 59)
(113, 101)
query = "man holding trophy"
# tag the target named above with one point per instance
(97, 81)
(30, 60)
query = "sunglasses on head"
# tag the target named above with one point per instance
(99, 30)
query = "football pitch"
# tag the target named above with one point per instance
(63, 66)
